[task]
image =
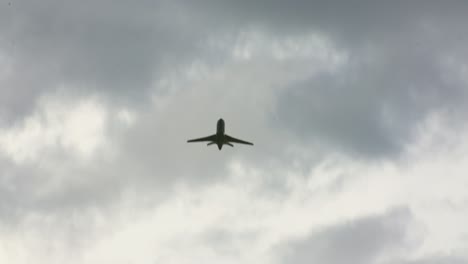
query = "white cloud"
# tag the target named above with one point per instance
(237, 216)
(77, 127)
(239, 220)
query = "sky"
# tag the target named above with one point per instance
(357, 109)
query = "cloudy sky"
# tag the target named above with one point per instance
(358, 112)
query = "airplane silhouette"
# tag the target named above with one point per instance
(220, 138)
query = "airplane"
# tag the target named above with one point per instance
(220, 138)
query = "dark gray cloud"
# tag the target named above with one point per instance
(371, 108)
(120, 49)
(360, 241)
(114, 48)
(391, 82)
(353, 23)
(397, 72)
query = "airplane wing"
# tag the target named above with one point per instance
(210, 138)
(235, 140)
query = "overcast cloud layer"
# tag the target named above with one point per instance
(357, 110)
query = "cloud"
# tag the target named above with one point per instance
(116, 48)
(49, 159)
(360, 241)
(77, 128)
(354, 108)
(240, 218)
(435, 259)
(397, 69)
(371, 108)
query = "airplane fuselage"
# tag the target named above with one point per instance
(220, 133)
(220, 127)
